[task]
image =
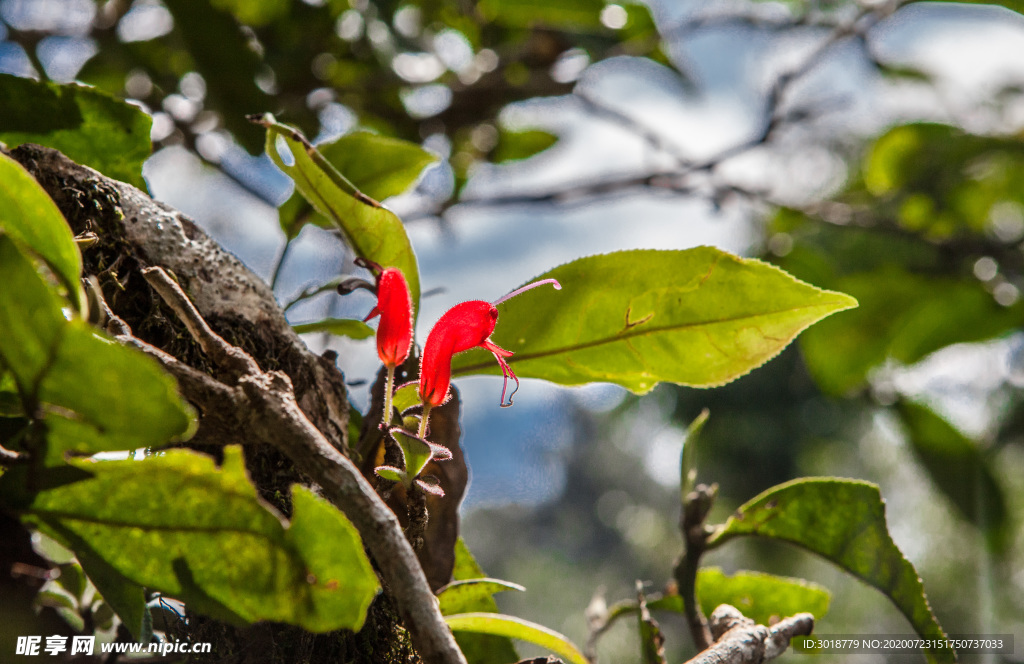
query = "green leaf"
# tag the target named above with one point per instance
(479, 648)
(378, 166)
(72, 579)
(30, 216)
(760, 597)
(118, 397)
(903, 316)
(126, 598)
(31, 323)
(844, 522)
(125, 395)
(406, 397)
(960, 469)
(85, 124)
(220, 549)
(516, 628)
(698, 317)
(416, 452)
(393, 474)
(516, 145)
(470, 595)
(103, 615)
(688, 460)
(373, 232)
(340, 327)
(56, 598)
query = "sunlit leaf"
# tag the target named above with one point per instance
(220, 549)
(698, 317)
(760, 597)
(479, 648)
(516, 145)
(516, 628)
(415, 452)
(340, 327)
(30, 216)
(372, 231)
(85, 124)
(688, 459)
(470, 595)
(844, 522)
(960, 469)
(30, 316)
(378, 166)
(120, 391)
(108, 396)
(392, 474)
(406, 397)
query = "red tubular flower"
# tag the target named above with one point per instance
(394, 306)
(394, 333)
(464, 326)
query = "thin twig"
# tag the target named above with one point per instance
(280, 263)
(312, 291)
(696, 506)
(651, 136)
(271, 415)
(221, 352)
(675, 180)
(10, 458)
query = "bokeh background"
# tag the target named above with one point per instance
(872, 147)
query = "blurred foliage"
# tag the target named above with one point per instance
(960, 469)
(260, 56)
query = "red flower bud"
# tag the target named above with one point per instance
(394, 306)
(464, 326)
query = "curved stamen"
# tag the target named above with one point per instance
(506, 371)
(553, 282)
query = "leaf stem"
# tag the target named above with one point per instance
(280, 263)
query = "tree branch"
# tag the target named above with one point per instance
(273, 417)
(696, 506)
(739, 640)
